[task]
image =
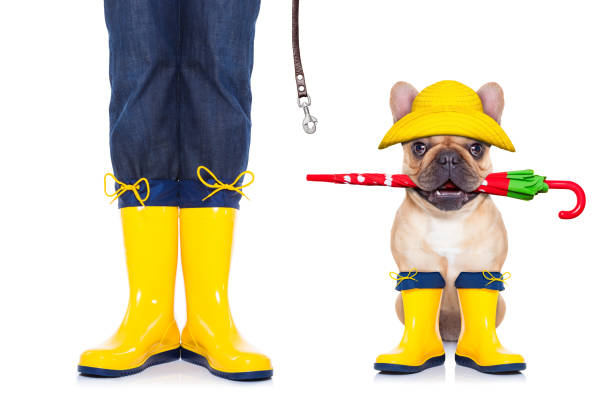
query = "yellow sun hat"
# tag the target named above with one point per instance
(447, 108)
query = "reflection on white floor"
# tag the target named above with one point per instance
(170, 374)
(433, 375)
(451, 372)
(182, 373)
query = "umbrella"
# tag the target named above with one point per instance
(521, 184)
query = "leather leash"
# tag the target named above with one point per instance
(310, 122)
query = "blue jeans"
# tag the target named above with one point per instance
(181, 98)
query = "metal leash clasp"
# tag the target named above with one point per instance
(310, 122)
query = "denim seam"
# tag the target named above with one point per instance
(179, 53)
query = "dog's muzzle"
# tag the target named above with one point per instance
(448, 182)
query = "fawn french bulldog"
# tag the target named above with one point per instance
(449, 230)
(449, 242)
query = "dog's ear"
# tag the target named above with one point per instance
(492, 97)
(402, 95)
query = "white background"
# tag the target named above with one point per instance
(309, 284)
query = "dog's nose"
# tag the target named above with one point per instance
(448, 158)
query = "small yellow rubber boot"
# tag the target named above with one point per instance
(421, 346)
(478, 346)
(148, 334)
(210, 337)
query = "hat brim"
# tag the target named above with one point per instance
(455, 122)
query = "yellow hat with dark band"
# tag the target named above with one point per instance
(447, 108)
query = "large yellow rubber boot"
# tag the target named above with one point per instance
(148, 334)
(478, 346)
(210, 337)
(421, 345)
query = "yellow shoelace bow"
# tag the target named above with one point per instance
(396, 276)
(218, 186)
(489, 276)
(123, 188)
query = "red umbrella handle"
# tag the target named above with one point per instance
(580, 197)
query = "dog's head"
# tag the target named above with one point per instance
(447, 169)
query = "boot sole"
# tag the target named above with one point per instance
(406, 369)
(197, 359)
(161, 358)
(492, 369)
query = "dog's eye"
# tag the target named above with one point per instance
(419, 148)
(476, 149)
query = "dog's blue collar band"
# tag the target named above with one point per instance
(479, 280)
(419, 280)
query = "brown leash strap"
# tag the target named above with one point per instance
(310, 122)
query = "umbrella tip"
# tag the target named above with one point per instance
(317, 177)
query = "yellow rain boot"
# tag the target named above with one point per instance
(148, 334)
(210, 338)
(421, 346)
(478, 346)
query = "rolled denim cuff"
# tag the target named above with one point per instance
(162, 193)
(193, 192)
(419, 280)
(478, 280)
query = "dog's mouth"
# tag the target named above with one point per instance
(447, 197)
